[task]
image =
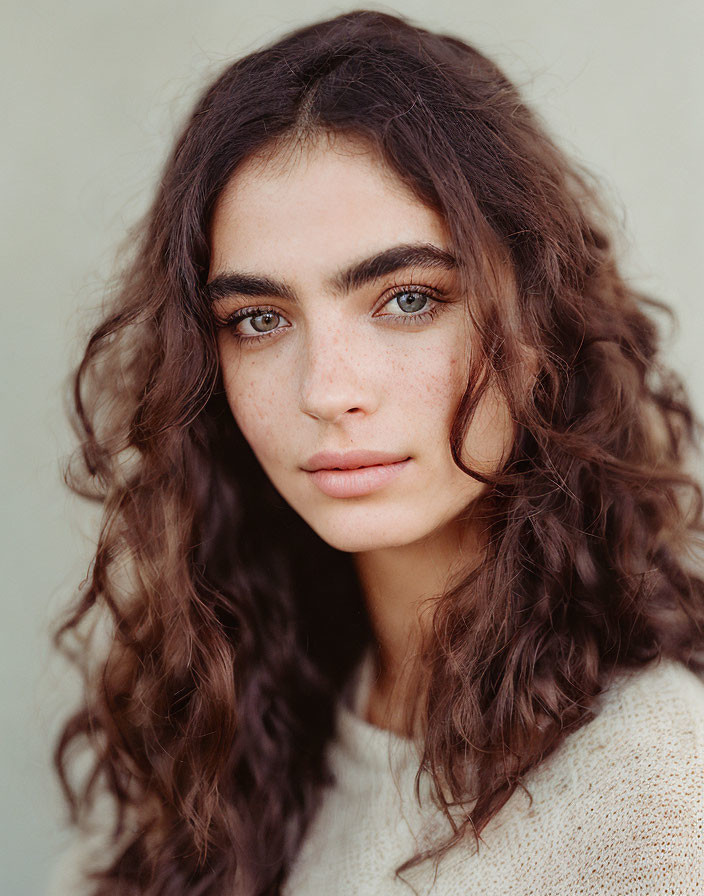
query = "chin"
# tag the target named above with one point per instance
(356, 535)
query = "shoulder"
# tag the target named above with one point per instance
(651, 717)
(661, 687)
(627, 789)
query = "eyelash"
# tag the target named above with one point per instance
(230, 323)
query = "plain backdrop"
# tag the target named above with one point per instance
(92, 93)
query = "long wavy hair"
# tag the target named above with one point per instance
(229, 628)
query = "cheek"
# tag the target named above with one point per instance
(429, 383)
(257, 407)
(436, 377)
(445, 371)
(490, 434)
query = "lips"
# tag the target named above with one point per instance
(358, 482)
(351, 460)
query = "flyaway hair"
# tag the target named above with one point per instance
(230, 627)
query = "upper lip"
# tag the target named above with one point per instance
(350, 460)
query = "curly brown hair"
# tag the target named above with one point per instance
(208, 711)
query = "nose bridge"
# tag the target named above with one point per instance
(335, 371)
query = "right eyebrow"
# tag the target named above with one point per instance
(343, 282)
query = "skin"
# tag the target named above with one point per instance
(342, 373)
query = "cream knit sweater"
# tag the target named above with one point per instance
(618, 809)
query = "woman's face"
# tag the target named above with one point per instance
(334, 352)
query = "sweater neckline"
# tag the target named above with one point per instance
(367, 744)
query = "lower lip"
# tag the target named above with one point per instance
(355, 483)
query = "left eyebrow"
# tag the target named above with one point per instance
(343, 282)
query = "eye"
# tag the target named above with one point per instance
(412, 302)
(261, 323)
(252, 325)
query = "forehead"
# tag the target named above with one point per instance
(335, 196)
(293, 160)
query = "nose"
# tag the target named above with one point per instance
(336, 374)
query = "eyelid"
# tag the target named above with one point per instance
(393, 292)
(434, 293)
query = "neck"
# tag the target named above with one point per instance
(401, 586)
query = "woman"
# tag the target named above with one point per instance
(397, 547)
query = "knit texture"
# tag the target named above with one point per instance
(618, 808)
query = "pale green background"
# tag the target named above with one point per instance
(91, 95)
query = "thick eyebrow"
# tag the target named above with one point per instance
(359, 273)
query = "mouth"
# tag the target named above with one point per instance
(361, 466)
(354, 482)
(352, 460)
